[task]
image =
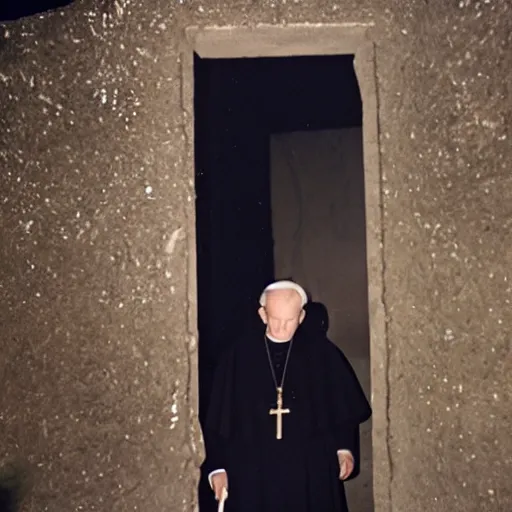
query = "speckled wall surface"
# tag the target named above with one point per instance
(98, 366)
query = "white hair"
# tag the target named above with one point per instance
(284, 285)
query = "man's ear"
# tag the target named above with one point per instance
(302, 316)
(263, 315)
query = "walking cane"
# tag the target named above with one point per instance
(222, 500)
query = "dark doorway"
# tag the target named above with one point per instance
(13, 10)
(269, 135)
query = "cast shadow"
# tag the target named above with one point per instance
(317, 318)
(14, 483)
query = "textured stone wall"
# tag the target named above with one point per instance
(98, 363)
(98, 367)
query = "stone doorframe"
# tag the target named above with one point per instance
(301, 40)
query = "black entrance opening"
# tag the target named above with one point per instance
(10, 10)
(260, 191)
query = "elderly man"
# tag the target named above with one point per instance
(282, 430)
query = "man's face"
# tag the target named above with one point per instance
(282, 313)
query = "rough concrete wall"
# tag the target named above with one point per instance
(98, 354)
(71, 401)
(318, 224)
(445, 112)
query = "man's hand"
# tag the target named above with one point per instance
(346, 464)
(219, 482)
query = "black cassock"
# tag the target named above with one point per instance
(298, 473)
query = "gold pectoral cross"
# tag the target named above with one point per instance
(278, 412)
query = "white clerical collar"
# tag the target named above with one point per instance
(275, 340)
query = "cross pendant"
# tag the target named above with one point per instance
(278, 413)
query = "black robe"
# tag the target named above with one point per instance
(298, 473)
